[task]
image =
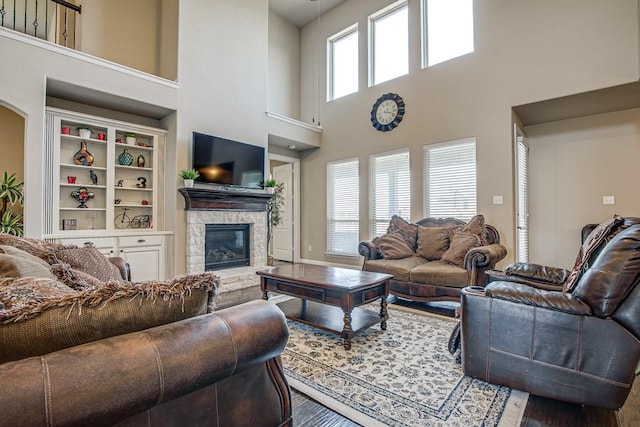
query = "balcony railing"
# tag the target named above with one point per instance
(52, 20)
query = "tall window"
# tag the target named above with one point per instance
(343, 208)
(450, 179)
(522, 188)
(389, 43)
(390, 189)
(448, 27)
(342, 52)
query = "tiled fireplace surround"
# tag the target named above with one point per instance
(227, 207)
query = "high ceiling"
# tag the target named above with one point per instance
(302, 12)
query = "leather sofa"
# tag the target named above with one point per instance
(576, 342)
(419, 279)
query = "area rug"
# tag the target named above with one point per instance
(403, 376)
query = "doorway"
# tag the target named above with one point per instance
(284, 245)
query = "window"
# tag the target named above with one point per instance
(343, 208)
(389, 43)
(522, 190)
(449, 30)
(343, 63)
(450, 179)
(390, 190)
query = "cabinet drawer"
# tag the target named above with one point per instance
(98, 242)
(132, 241)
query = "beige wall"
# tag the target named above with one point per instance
(574, 163)
(284, 67)
(524, 52)
(12, 143)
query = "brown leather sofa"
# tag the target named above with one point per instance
(579, 345)
(418, 279)
(221, 369)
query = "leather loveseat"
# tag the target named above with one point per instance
(566, 335)
(75, 351)
(436, 267)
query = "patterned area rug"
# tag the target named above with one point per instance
(403, 376)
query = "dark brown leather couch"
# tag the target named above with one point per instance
(219, 369)
(580, 346)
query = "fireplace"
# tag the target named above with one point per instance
(226, 245)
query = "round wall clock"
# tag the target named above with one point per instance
(387, 112)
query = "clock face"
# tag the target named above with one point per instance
(387, 112)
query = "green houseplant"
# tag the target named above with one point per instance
(274, 215)
(188, 175)
(10, 194)
(269, 185)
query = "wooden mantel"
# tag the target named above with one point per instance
(221, 199)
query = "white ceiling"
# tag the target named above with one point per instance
(302, 12)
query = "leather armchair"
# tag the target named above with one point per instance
(580, 346)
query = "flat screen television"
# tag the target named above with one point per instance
(223, 161)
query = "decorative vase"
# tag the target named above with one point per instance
(270, 190)
(125, 159)
(188, 183)
(83, 157)
(84, 133)
(131, 140)
(66, 131)
(140, 161)
(82, 195)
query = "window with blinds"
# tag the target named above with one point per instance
(390, 189)
(343, 208)
(522, 177)
(450, 179)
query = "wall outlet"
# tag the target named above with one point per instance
(608, 200)
(498, 200)
(309, 248)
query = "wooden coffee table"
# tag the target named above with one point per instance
(328, 297)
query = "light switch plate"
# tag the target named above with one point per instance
(608, 200)
(498, 200)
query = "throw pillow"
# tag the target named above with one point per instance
(392, 246)
(90, 260)
(433, 242)
(36, 247)
(461, 243)
(15, 262)
(41, 316)
(591, 245)
(407, 230)
(75, 279)
(476, 226)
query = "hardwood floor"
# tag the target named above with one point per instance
(539, 412)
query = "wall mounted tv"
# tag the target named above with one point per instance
(222, 161)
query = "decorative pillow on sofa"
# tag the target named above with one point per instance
(40, 316)
(433, 242)
(36, 247)
(407, 230)
(476, 226)
(592, 244)
(461, 243)
(75, 279)
(88, 259)
(15, 262)
(392, 246)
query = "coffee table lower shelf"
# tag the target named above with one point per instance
(329, 318)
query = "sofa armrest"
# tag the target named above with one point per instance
(106, 381)
(123, 266)
(368, 250)
(537, 272)
(485, 256)
(523, 294)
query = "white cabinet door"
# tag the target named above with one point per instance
(145, 255)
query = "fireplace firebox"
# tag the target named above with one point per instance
(226, 245)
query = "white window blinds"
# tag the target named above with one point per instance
(450, 179)
(343, 208)
(390, 190)
(522, 152)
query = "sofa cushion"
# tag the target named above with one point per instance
(407, 230)
(461, 243)
(399, 268)
(590, 248)
(440, 273)
(90, 260)
(433, 242)
(40, 315)
(392, 246)
(15, 262)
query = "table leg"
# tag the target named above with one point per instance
(383, 312)
(347, 331)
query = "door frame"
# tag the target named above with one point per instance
(296, 199)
